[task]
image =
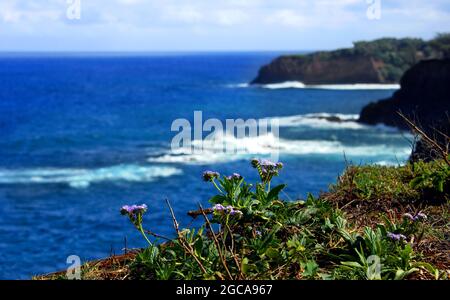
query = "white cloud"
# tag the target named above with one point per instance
(318, 14)
(261, 23)
(129, 2)
(287, 17)
(230, 17)
(10, 12)
(186, 14)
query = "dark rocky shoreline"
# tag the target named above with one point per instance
(424, 98)
(342, 70)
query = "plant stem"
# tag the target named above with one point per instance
(185, 245)
(217, 187)
(221, 255)
(443, 151)
(142, 230)
(145, 236)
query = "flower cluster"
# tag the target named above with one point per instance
(133, 210)
(396, 236)
(234, 176)
(230, 210)
(210, 175)
(417, 217)
(266, 168)
(134, 213)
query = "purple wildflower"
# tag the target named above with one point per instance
(265, 163)
(396, 236)
(125, 209)
(210, 175)
(133, 210)
(235, 176)
(267, 168)
(235, 212)
(218, 208)
(232, 211)
(258, 233)
(229, 210)
(409, 216)
(419, 216)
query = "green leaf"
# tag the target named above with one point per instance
(246, 266)
(273, 194)
(353, 264)
(311, 268)
(272, 253)
(430, 268)
(401, 274)
(441, 186)
(218, 199)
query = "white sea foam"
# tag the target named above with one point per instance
(284, 85)
(301, 85)
(82, 178)
(239, 85)
(344, 117)
(357, 86)
(321, 120)
(389, 163)
(214, 152)
(311, 147)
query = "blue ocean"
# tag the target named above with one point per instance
(83, 134)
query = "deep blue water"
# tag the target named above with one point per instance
(81, 136)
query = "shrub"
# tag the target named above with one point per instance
(249, 233)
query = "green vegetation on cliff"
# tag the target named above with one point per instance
(398, 55)
(376, 222)
(379, 61)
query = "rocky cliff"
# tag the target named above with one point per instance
(379, 61)
(343, 69)
(424, 97)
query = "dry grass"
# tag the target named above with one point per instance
(111, 268)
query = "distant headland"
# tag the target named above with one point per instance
(382, 61)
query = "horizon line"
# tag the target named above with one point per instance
(149, 51)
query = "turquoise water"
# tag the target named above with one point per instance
(82, 135)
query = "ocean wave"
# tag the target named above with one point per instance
(388, 163)
(239, 85)
(82, 178)
(330, 121)
(357, 86)
(321, 147)
(270, 145)
(284, 85)
(214, 150)
(301, 85)
(321, 120)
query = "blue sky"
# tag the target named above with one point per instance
(205, 25)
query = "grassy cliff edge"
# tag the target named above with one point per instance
(375, 222)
